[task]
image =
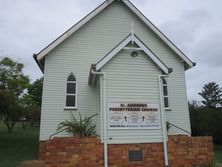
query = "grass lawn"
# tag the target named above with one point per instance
(218, 153)
(22, 145)
(18, 146)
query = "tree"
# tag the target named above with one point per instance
(212, 95)
(35, 91)
(206, 122)
(12, 85)
(31, 102)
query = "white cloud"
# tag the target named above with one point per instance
(209, 51)
(27, 26)
(184, 31)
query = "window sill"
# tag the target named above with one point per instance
(167, 109)
(70, 108)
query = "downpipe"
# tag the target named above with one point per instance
(103, 90)
(163, 120)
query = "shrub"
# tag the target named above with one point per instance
(206, 122)
(81, 127)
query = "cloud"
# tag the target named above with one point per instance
(184, 30)
(28, 26)
(200, 75)
(209, 51)
(196, 33)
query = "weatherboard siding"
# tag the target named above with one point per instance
(87, 46)
(132, 79)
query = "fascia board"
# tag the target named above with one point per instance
(158, 32)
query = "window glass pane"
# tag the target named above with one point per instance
(71, 78)
(71, 88)
(70, 101)
(165, 93)
(164, 81)
(166, 102)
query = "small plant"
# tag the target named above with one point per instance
(212, 164)
(81, 127)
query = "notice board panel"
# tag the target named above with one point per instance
(133, 116)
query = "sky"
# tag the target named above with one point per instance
(195, 26)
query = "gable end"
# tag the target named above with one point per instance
(40, 56)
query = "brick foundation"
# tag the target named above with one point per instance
(42, 150)
(152, 155)
(183, 151)
(190, 151)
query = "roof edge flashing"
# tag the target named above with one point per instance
(35, 56)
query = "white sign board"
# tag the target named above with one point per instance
(133, 116)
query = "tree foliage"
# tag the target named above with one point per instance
(212, 95)
(12, 85)
(35, 92)
(31, 102)
(12, 79)
(206, 122)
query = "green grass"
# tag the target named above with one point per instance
(18, 146)
(218, 153)
(22, 145)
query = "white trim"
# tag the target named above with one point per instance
(165, 96)
(104, 110)
(163, 119)
(60, 39)
(132, 48)
(158, 32)
(109, 56)
(167, 109)
(73, 29)
(121, 46)
(71, 94)
(151, 55)
(70, 108)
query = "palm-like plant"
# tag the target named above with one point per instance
(81, 127)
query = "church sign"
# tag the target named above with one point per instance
(133, 116)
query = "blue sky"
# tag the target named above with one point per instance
(194, 26)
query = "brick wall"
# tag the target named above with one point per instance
(152, 155)
(183, 151)
(190, 151)
(74, 151)
(42, 150)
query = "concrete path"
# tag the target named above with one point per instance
(218, 165)
(34, 163)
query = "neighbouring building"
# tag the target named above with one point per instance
(117, 64)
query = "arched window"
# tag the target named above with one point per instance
(71, 91)
(165, 94)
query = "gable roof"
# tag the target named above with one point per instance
(142, 46)
(122, 45)
(40, 56)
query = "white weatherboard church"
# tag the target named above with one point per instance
(116, 63)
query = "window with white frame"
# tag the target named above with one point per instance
(71, 91)
(165, 94)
